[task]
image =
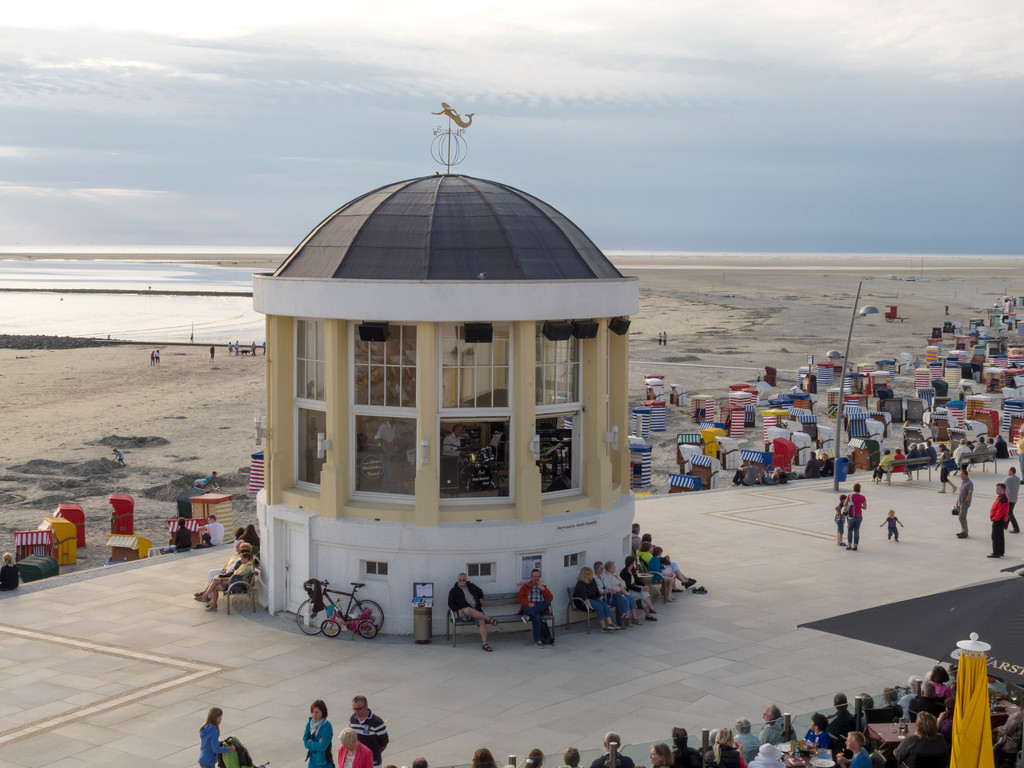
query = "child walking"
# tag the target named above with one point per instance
(892, 521)
(841, 509)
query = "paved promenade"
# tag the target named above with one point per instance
(119, 669)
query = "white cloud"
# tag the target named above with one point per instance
(87, 194)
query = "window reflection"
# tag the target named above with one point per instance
(557, 434)
(310, 423)
(474, 458)
(385, 455)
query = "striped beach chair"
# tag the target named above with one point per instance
(683, 483)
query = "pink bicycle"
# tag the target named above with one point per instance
(361, 624)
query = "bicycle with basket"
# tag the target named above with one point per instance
(321, 613)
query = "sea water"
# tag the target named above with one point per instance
(54, 308)
(144, 315)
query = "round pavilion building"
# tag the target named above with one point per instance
(447, 363)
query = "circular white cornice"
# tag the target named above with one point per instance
(444, 301)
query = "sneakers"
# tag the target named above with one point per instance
(651, 618)
(525, 618)
(539, 644)
(699, 591)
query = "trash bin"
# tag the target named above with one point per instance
(422, 624)
(842, 465)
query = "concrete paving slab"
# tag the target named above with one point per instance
(128, 664)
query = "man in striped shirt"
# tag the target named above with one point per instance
(371, 729)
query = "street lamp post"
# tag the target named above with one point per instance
(868, 309)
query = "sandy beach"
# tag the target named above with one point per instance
(726, 317)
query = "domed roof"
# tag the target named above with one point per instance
(447, 227)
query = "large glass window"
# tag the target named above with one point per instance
(385, 454)
(385, 372)
(474, 459)
(559, 460)
(310, 423)
(474, 375)
(558, 370)
(309, 360)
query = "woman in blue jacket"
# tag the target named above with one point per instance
(209, 739)
(317, 736)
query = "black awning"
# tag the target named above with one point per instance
(931, 625)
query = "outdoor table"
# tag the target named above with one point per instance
(887, 740)
(803, 762)
(1002, 714)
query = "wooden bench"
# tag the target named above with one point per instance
(508, 601)
(980, 457)
(910, 465)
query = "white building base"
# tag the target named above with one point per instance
(296, 544)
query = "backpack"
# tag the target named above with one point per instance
(240, 758)
(315, 591)
(545, 634)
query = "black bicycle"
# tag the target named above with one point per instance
(368, 614)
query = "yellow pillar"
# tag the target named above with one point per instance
(279, 449)
(334, 476)
(427, 512)
(524, 422)
(618, 406)
(594, 461)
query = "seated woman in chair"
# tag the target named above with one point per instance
(926, 748)
(221, 583)
(587, 592)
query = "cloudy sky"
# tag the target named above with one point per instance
(748, 125)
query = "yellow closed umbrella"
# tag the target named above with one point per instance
(972, 725)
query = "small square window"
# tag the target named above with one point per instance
(373, 568)
(574, 560)
(480, 571)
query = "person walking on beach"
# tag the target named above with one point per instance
(1012, 483)
(943, 460)
(152, 357)
(857, 506)
(317, 736)
(841, 510)
(963, 501)
(209, 739)
(999, 515)
(213, 350)
(157, 354)
(892, 521)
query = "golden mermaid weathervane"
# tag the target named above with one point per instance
(449, 147)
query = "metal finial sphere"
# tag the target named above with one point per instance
(448, 148)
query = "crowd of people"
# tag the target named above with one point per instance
(616, 596)
(360, 745)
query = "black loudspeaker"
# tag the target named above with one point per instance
(374, 331)
(584, 329)
(478, 333)
(619, 325)
(557, 331)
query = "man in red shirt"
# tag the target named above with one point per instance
(1000, 517)
(535, 599)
